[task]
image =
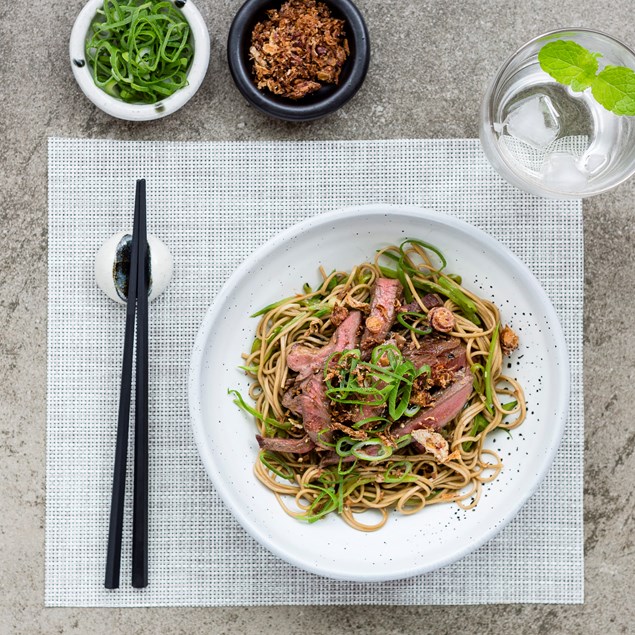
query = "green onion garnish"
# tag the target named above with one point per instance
(241, 403)
(479, 424)
(344, 446)
(269, 307)
(487, 374)
(432, 248)
(411, 411)
(401, 318)
(358, 450)
(403, 441)
(387, 272)
(276, 465)
(139, 51)
(398, 472)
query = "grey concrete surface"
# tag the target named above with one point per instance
(431, 61)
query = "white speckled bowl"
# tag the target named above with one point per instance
(139, 112)
(407, 545)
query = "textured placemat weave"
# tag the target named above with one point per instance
(213, 203)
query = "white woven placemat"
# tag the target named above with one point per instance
(213, 203)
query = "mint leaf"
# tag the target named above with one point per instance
(614, 88)
(569, 63)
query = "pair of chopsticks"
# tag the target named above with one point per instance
(137, 303)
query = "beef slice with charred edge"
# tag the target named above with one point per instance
(291, 399)
(382, 312)
(294, 446)
(448, 403)
(433, 351)
(307, 396)
(316, 414)
(306, 361)
(430, 300)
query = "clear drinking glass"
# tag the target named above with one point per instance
(546, 139)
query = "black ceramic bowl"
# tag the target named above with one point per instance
(315, 105)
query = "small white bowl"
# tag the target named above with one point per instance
(139, 112)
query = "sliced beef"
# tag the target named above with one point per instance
(382, 312)
(292, 398)
(430, 301)
(437, 351)
(294, 446)
(364, 412)
(447, 404)
(333, 458)
(315, 409)
(306, 361)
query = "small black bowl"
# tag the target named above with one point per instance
(315, 105)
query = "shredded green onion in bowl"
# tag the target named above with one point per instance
(139, 51)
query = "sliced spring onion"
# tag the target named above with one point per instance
(400, 395)
(240, 402)
(342, 472)
(401, 318)
(478, 385)
(335, 280)
(403, 441)
(487, 373)
(432, 248)
(392, 353)
(398, 472)
(250, 369)
(298, 318)
(358, 450)
(332, 504)
(407, 294)
(386, 272)
(139, 51)
(452, 291)
(384, 423)
(269, 307)
(320, 438)
(479, 424)
(411, 411)
(341, 443)
(274, 463)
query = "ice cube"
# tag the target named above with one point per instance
(595, 162)
(561, 171)
(535, 121)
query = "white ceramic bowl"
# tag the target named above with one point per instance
(406, 545)
(139, 112)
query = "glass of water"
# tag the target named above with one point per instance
(546, 139)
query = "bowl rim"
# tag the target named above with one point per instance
(139, 112)
(240, 68)
(196, 362)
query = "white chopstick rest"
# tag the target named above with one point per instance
(112, 265)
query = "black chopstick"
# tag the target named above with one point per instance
(113, 556)
(140, 516)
